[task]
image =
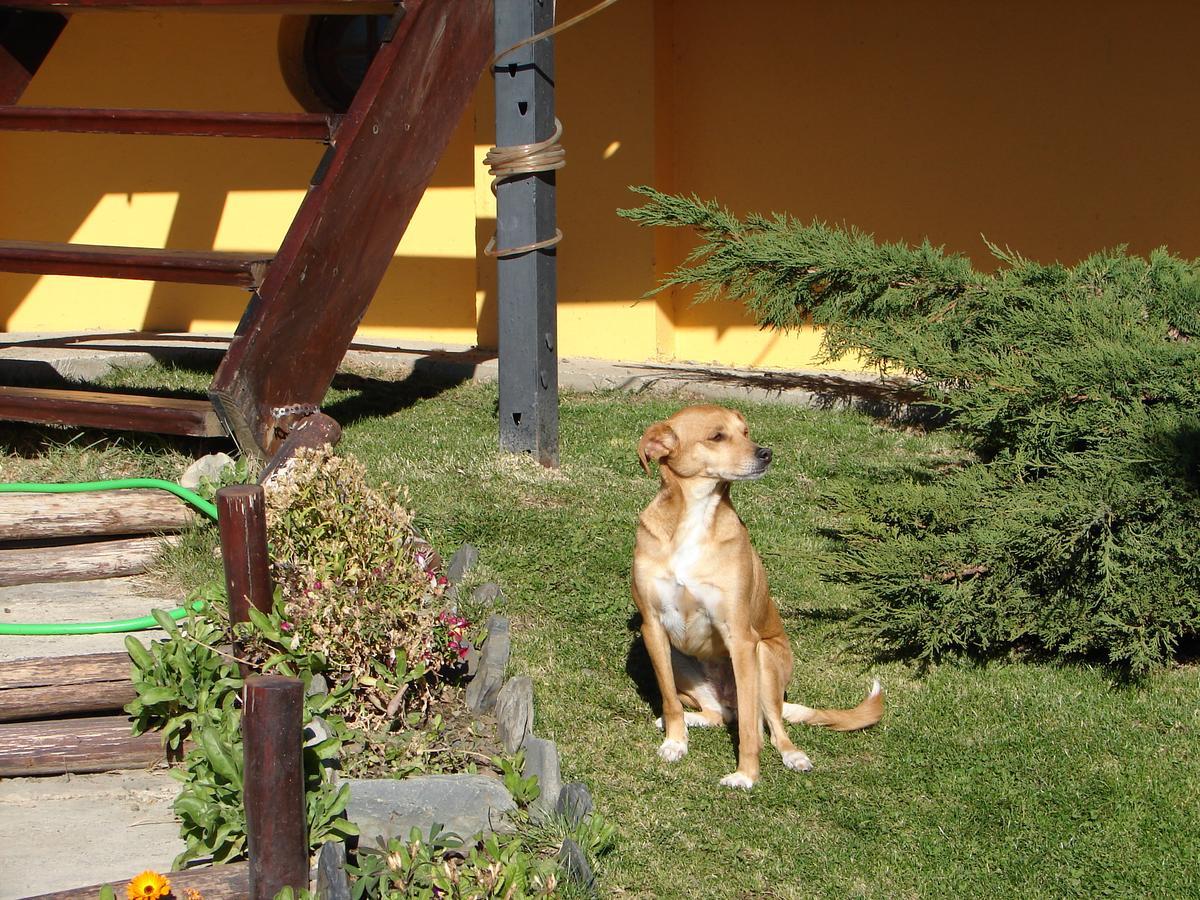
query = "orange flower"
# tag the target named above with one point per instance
(148, 886)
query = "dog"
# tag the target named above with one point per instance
(711, 629)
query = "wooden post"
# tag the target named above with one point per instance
(273, 792)
(525, 214)
(242, 522)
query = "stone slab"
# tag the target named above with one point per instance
(463, 804)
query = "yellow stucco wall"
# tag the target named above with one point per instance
(1056, 128)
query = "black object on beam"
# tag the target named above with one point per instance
(525, 214)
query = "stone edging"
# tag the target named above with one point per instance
(390, 807)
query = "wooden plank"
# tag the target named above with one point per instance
(99, 744)
(297, 329)
(137, 263)
(299, 7)
(273, 794)
(123, 412)
(310, 433)
(39, 671)
(26, 517)
(525, 215)
(80, 562)
(55, 701)
(227, 882)
(291, 126)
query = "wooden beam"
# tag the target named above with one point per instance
(137, 263)
(525, 214)
(290, 126)
(299, 7)
(227, 882)
(122, 412)
(81, 561)
(101, 744)
(311, 433)
(49, 687)
(273, 793)
(25, 517)
(39, 671)
(25, 41)
(294, 335)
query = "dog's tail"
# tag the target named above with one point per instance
(864, 715)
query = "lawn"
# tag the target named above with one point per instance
(1000, 780)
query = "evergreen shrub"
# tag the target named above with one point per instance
(1078, 387)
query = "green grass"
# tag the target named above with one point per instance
(1010, 779)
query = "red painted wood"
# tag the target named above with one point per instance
(122, 412)
(273, 793)
(242, 522)
(293, 126)
(333, 258)
(186, 266)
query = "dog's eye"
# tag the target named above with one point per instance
(719, 436)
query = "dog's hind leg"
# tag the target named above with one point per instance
(696, 691)
(774, 669)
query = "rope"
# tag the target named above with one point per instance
(525, 159)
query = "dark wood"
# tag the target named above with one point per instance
(242, 522)
(525, 214)
(53, 701)
(297, 329)
(300, 7)
(228, 882)
(81, 561)
(39, 671)
(25, 41)
(292, 126)
(311, 433)
(101, 744)
(122, 412)
(273, 793)
(26, 517)
(139, 264)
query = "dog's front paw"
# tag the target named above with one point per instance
(797, 761)
(672, 751)
(738, 780)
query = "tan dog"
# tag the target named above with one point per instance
(713, 633)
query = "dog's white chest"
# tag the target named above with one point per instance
(688, 569)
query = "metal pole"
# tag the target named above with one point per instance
(525, 214)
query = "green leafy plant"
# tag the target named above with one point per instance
(524, 790)
(1078, 388)
(443, 866)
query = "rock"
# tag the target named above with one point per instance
(575, 863)
(489, 675)
(514, 712)
(462, 562)
(488, 594)
(317, 685)
(332, 881)
(209, 467)
(463, 804)
(541, 759)
(320, 731)
(574, 802)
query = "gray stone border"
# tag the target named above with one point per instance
(391, 807)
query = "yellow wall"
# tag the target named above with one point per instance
(1056, 128)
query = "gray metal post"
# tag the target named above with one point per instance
(525, 214)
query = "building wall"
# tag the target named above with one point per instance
(1057, 129)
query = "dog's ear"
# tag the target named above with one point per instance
(657, 442)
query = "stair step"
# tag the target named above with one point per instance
(187, 266)
(292, 126)
(301, 7)
(122, 412)
(99, 744)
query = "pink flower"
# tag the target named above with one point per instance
(286, 626)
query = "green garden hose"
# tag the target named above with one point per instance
(119, 625)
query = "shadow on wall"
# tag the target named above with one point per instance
(196, 193)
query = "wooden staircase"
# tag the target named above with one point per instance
(307, 300)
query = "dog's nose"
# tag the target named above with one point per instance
(764, 454)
